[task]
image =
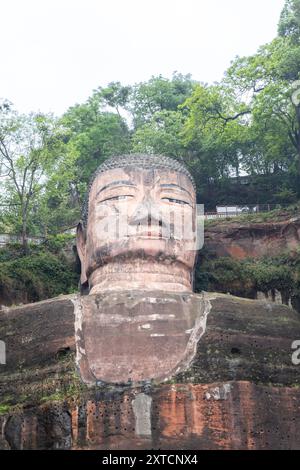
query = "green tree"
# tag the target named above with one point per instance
(161, 135)
(289, 24)
(29, 147)
(115, 96)
(215, 131)
(158, 94)
(92, 136)
(266, 81)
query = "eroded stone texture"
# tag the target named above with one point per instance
(138, 336)
(35, 334)
(227, 415)
(216, 404)
(253, 240)
(244, 340)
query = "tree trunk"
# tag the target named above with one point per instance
(24, 231)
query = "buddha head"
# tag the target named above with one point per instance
(138, 227)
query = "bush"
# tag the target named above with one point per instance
(56, 243)
(246, 277)
(271, 277)
(36, 277)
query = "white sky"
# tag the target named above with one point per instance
(55, 52)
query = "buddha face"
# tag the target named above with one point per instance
(136, 216)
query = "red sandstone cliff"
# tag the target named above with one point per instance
(252, 239)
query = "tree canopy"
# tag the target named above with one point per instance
(247, 124)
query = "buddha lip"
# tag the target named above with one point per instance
(149, 235)
(145, 231)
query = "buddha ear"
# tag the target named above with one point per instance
(81, 244)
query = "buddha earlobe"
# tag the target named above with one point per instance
(80, 245)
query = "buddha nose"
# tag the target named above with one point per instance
(147, 212)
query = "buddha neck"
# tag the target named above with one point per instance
(141, 274)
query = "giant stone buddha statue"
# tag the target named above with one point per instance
(138, 224)
(137, 244)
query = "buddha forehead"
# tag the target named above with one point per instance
(160, 178)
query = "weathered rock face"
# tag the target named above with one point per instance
(36, 334)
(253, 239)
(244, 340)
(237, 415)
(240, 392)
(257, 242)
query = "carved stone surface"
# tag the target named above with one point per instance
(136, 336)
(141, 226)
(138, 234)
(244, 340)
(241, 391)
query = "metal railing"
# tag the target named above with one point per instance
(224, 212)
(6, 238)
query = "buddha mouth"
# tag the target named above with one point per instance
(153, 235)
(148, 232)
(150, 236)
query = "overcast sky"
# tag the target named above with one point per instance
(55, 52)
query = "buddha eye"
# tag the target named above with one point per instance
(176, 201)
(117, 198)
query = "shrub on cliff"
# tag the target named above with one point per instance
(224, 275)
(57, 243)
(247, 277)
(269, 277)
(35, 277)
